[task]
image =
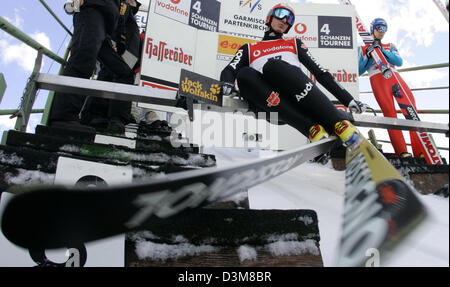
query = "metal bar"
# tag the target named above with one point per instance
(441, 148)
(426, 67)
(106, 90)
(438, 112)
(29, 95)
(2, 86)
(414, 90)
(56, 17)
(442, 8)
(419, 68)
(12, 112)
(399, 124)
(49, 102)
(10, 29)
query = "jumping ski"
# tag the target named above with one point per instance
(428, 146)
(380, 207)
(56, 216)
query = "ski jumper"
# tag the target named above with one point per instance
(269, 77)
(382, 89)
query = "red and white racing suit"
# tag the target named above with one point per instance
(382, 89)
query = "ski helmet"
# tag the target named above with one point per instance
(379, 24)
(281, 11)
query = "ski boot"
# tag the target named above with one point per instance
(317, 133)
(347, 132)
(405, 155)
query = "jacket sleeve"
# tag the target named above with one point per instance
(240, 60)
(323, 76)
(364, 62)
(393, 56)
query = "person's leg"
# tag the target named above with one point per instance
(89, 34)
(95, 111)
(382, 91)
(301, 93)
(260, 94)
(415, 141)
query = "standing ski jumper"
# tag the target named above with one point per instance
(269, 77)
(382, 88)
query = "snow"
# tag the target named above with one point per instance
(286, 248)
(29, 177)
(309, 186)
(162, 252)
(322, 189)
(246, 252)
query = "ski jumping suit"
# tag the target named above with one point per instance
(382, 89)
(270, 78)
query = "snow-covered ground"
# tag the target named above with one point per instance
(309, 186)
(321, 188)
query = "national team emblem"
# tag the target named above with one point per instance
(273, 100)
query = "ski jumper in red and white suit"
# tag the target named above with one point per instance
(382, 89)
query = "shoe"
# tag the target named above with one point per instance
(72, 125)
(100, 124)
(317, 133)
(347, 132)
(115, 127)
(160, 126)
(405, 155)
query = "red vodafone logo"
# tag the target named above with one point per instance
(300, 28)
(175, 1)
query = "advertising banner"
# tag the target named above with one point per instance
(165, 52)
(201, 14)
(244, 17)
(203, 36)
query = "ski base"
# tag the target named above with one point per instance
(380, 207)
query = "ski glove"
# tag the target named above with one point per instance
(357, 107)
(228, 89)
(73, 6)
(372, 47)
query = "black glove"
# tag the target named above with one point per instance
(371, 48)
(228, 89)
(357, 107)
(121, 47)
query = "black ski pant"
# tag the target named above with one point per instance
(96, 107)
(301, 103)
(89, 43)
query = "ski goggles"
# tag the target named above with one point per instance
(381, 28)
(282, 13)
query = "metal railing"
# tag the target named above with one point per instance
(28, 97)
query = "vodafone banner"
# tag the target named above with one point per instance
(203, 35)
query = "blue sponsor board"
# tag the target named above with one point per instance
(205, 15)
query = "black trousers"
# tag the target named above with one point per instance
(301, 104)
(89, 44)
(95, 107)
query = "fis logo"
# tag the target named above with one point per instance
(250, 6)
(273, 100)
